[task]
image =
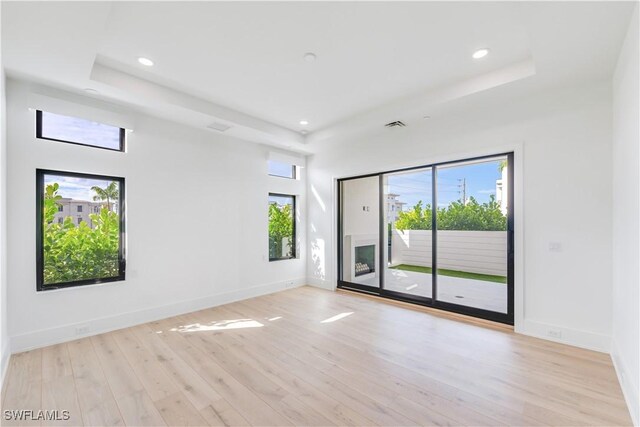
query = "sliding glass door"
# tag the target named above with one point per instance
(408, 224)
(360, 232)
(439, 235)
(471, 245)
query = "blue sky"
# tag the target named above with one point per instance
(66, 128)
(480, 183)
(281, 201)
(280, 169)
(75, 188)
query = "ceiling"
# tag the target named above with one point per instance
(241, 63)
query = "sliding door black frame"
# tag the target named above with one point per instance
(433, 302)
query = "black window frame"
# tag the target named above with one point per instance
(294, 247)
(40, 188)
(122, 136)
(380, 291)
(294, 172)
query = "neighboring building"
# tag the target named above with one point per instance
(78, 210)
(502, 191)
(394, 206)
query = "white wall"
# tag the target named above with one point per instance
(196, 226)
(625, 347)
(562, 140)
(4, 333)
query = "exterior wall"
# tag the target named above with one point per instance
(483, 252)
(393, 207)
(70, 208)
(502, 189)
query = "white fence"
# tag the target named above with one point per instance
(483, 252)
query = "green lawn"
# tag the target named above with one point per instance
(452, 273)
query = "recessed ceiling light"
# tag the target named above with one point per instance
(145, 61)
(304, 122)
(309, 56)
(480, 53)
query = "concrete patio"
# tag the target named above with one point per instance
(475, 293)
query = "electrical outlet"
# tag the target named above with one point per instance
(82, 330)
(555, 333)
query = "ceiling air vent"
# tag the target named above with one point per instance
(395, 124)
(220, 127)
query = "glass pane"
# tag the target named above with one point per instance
(80, 131)
(81, 229)
(472, 234)
(281, 227)
(408, 213)
(360, 231)
(281, 169)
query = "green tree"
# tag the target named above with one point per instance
(472, 216)
(416, 218)
(280, 228)
(110, 192)
(73, 253)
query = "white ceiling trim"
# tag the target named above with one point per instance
(38, 101)
(198, 112)
(283, 157)
(416, 107)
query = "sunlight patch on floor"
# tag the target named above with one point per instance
(337, 317)
(222, 325)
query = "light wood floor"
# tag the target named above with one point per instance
(313, 357)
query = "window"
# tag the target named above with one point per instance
(79, 208)
(282, 169)
(282, 227)
(60, 208)
(56, 127)
(87, 252)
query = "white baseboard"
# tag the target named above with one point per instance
(5, 354)
(45, 337)
(627, 383)
(321, 283)
(574, 337)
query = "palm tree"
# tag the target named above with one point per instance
(111, 192)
